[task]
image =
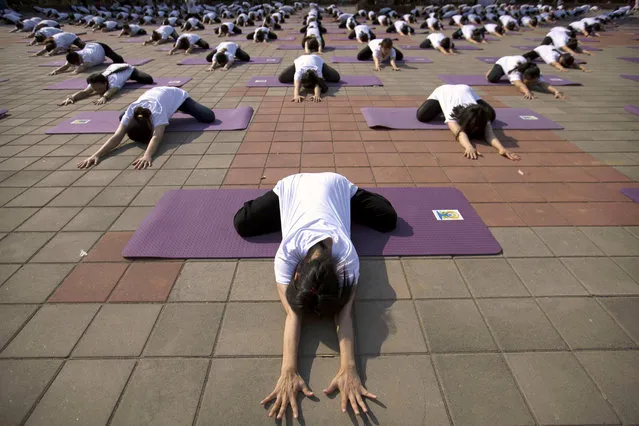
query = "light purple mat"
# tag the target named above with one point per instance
(590, 48)
(632, 47)
(354, 60)
(346, 80)
(3, 112)
(587, 40)
(198, 223)
(107, 122)
(326, 49)
(134, 62)
(406, 119)
(630, 77)
(467, 47)
(139, 40)
(259, 60)
(632, 193)
(480, 80)
(81, 83)
(632, 109)
(180, 52)
(629, 59)
(2, 80)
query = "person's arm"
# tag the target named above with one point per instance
(110, 144)
(496, 143)
(82, 94)
(122, 33)
(229, 64)
(290, 382)
(581, 67)
(147, 159)
(40, 52)
(317, 94)
(523, 89)
(347, 379)
(190, 49)
(394, 64)
(62, 69)
(296, 92)
(106, 97)
(376, 61)
(173, 50)
(547, 87)
(558, 66)
(469, 150)
(80, 68)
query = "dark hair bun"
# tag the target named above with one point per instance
(141, 113)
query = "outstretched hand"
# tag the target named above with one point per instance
(510, 155)
(472, 153)
(285, 393)
(350, 387)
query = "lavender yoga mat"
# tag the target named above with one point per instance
(81, 83)
(587, 40)
(198, 223)
(354, 60)
(107, 122)
(632, 193)
(480, 80)
(406, 119)
(346, 80)
(590, 48)
(258, 60)
(134, 62)
(326, 49)
(630, 77)
(632, 109)
(467, 47)
(3, 112)
(629, 59)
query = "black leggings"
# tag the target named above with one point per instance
(367, 54)
(328, 74)
(192, 108)
(109, 53)
(262, 215)
(270, 36)
(495, 74)
(141, 77)
(431, 109)
(239, 54)
(531, 56)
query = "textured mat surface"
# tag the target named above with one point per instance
(256, 60)
(346, 80)
(135, 62)
(632, 193)
(81, 83)
(480, 80)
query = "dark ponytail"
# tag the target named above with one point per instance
(140, 127)
(309, 80)
(528, 70)
(472, 119)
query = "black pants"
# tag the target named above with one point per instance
(202, 44)
(458, 35)
(262, 215)
(328, 74)
(426, 44)
(547, 41)
(109, 53)
(495, 74)
(366, 54)
(141, 77)
(270, 36)
(430, 109)
(239, 55)
(531, 56)
(198, 111)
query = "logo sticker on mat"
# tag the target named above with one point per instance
(528, 117)
(175, 81)
(556, 79)
(447, 215)
(271, 59)
(260, 81)
(81, 121)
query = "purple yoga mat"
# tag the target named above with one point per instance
(480, 80)
(354, 60)
(134, 62)
(326, 49)
(632, 193)
(590, 48)
(2, 80)
(180, 52)
(467, 47)
(107, 122)
(406, 119)
(3, 112)
(139, 40)
(81, 83)
(346, 80)
(629, 59)
(587, 40)
(632, 109)
(198, 223)
(202, 61)
(630, 77)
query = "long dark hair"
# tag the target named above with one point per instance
(315, 287)
(312, 43)
(472, 118)
(309, 80)
(140, 128)
(73, 58)
(528, 70)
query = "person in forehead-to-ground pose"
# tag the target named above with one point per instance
(91, 55)
(316, 269)
(522, 74)
(380, 50)
(556, 58)
(145, 121)
(467, 116)
(224, 55)
(60, 43)
(188, 42)
(162, 35)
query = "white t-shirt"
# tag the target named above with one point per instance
(64, 40)
(578, 26)
(525, 20)
(313, 32)
(457, 19)
(134, 29)
(375, 46)
(230, 26)
(230, 47)
(547, 53)
(467, 31)
(265, 30)
(559, 38)
(313, 207)
(193, 21)
(451, 95)
(92, 54)
(491, 28)
(308, 62)
(362, 29)
(381, 19)
(399, 25)
(165, 31)
(48, 23)
(192, 38)
(117, 79)
(48, 31)
(509, 63)
(505, 19)
(161, 101)
(110, 25)
(436, 39)
(431, 21)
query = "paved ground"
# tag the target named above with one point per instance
(546, 333)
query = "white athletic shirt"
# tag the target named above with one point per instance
(161, 101)
(399, 25)
(264, 30)
(193, 21)
(192, 38)
(64, 40)
(525, 20)
(381, 19)
(134, 29)
(92, 54)
(313, 207)
(431, 21)
(467, 31)
(436, 39)
(231, 49)
(505, 19)
(457, 19)
(48, 23)
(375, 46)
(451, 95)
(97, 20)
(48, 31)
(229, 25)
(362, 29)
(110, 25)
(578, 26)
(117, 79)
(313, 32)
(559, 38)
(165, 31)
(509, 63)
(308, 62)
(491, 28)
(547, 53)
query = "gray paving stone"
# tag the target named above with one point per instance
(34, 197)
(12, 317)
(6, 271)
(150, 195)
(49, 219)
(75, 196)
(206, 177)
(491, 278)
(254, 280)
(634, 230)
(381, 279)
(203, 281)
(434, 278)
(118, 330)
(454, 326)
(520, 325)
(133, 177)
(61, 178)
(11, 218)
(185, 329)
(547, 277)
(170, 177)
(74, 398)
(567, 241)
(18, 247)
(251, 329)
(94, 219)
(7, 194)
(162, 392)
(33, 283)
(66, 247)
(625, 310)
(97, 178)
(130, 219)
(520, 242)
(584, 324)
(52, 332)
(601, 276)
(617, 376)
(481, 390)
(387, 327)
(614, 241)
(115, 196)
(549, 382)
(630, 265)
(22, 383)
